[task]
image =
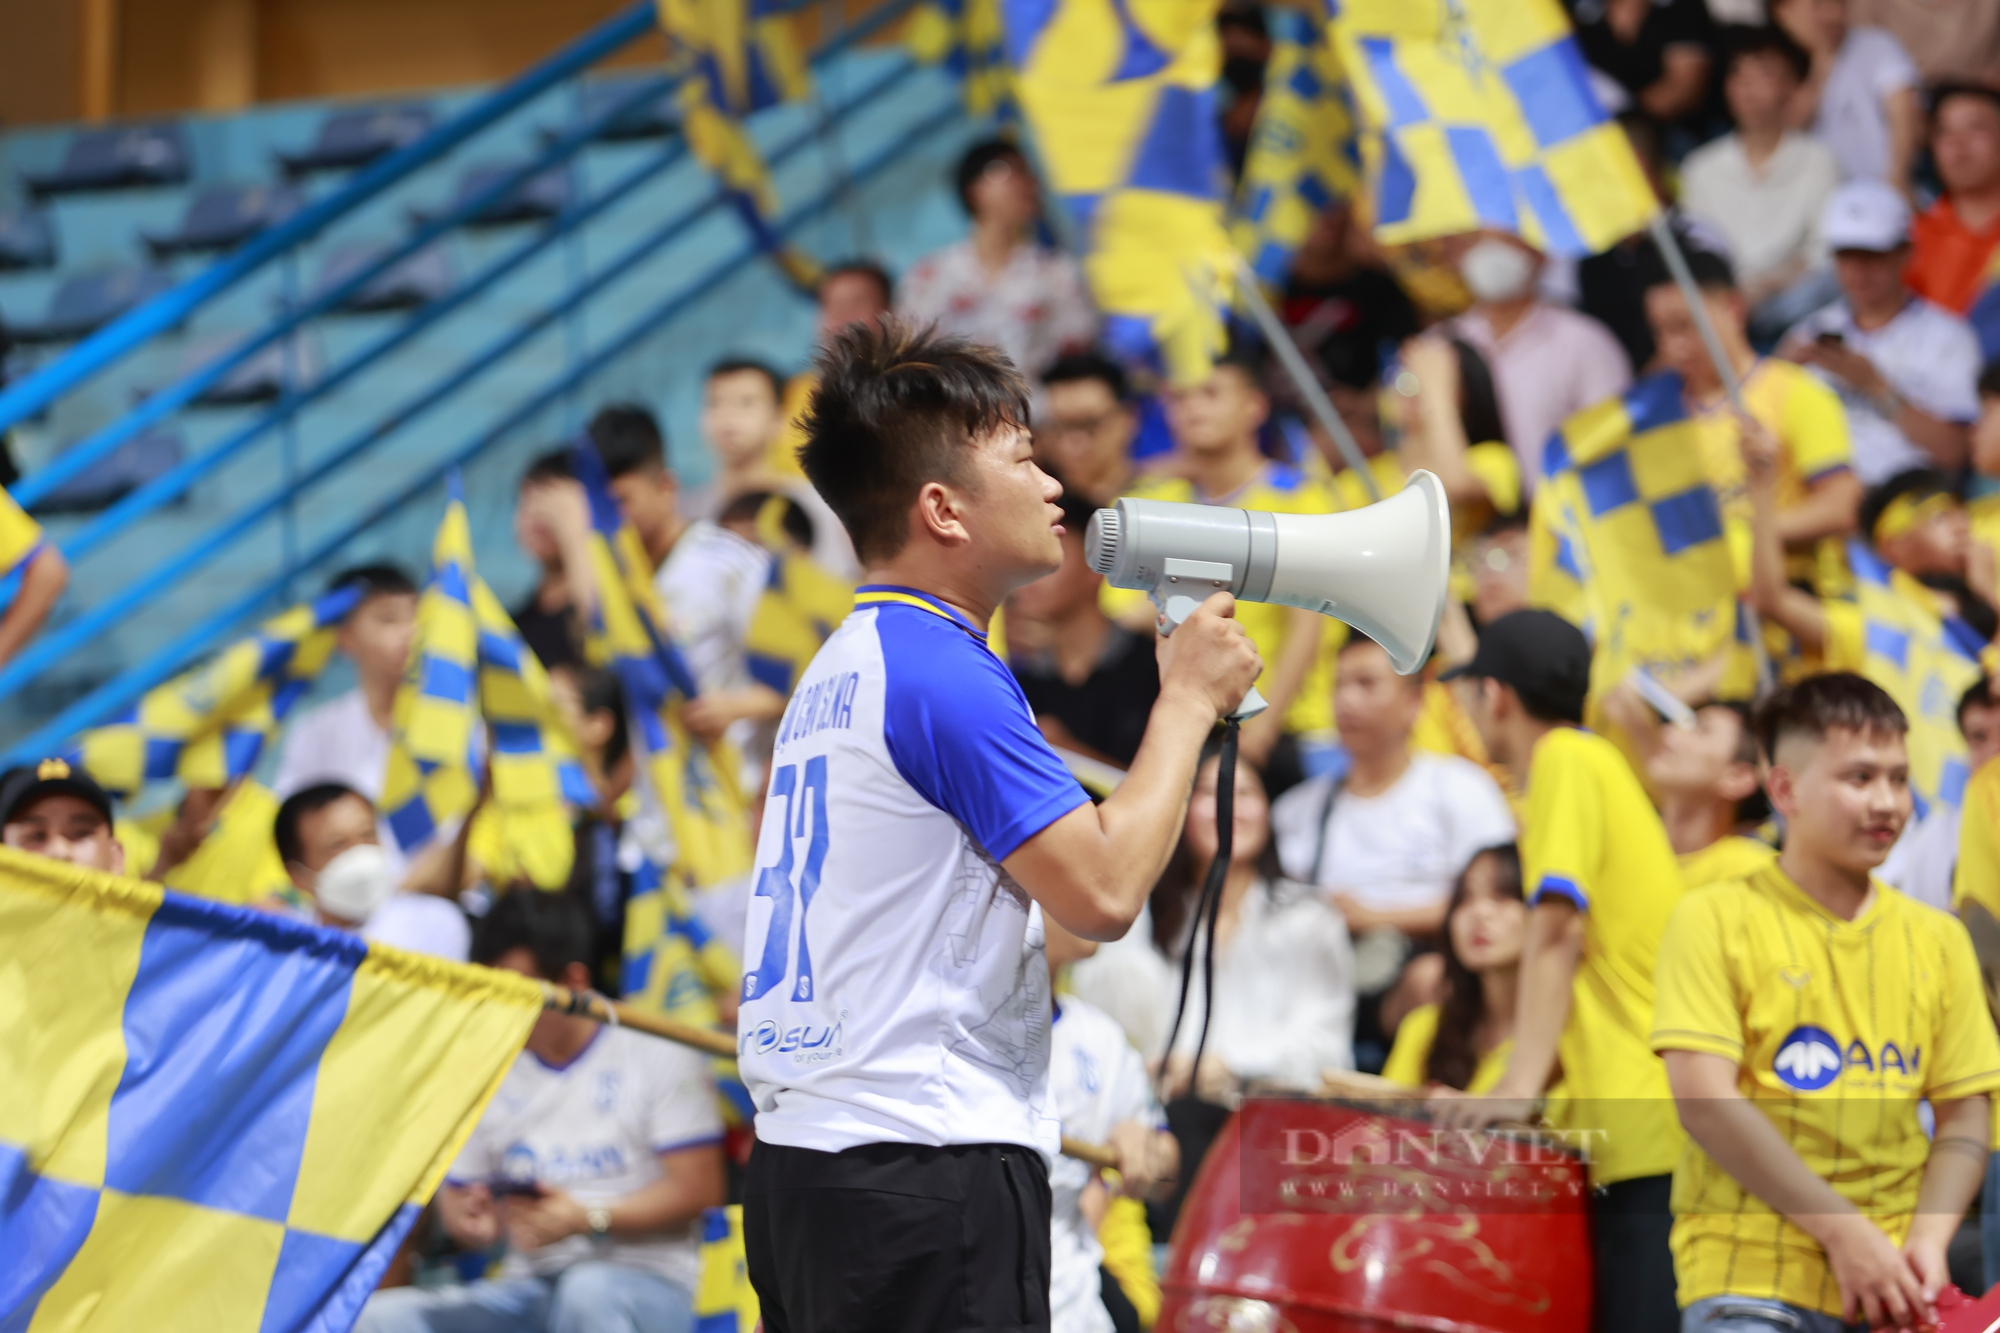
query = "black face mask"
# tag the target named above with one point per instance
(1243, 74)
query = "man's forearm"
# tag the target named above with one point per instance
(1946, 442)
(1142, 818)
(1828, 510)
(1746, 1145)
(41, 584)
(692, 1181)
(1955, 1169)
(1548, 974)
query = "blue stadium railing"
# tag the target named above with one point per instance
(142, 326)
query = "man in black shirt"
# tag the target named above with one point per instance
(549, 516)
(1090, 682)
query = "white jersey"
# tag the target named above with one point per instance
(1096, 1080)
(894, 987)
(596, 1127)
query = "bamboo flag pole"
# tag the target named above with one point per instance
(589, 1004)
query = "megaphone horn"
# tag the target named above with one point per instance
(1383, 569)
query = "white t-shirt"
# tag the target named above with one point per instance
(710, 583)
(1925, 858)
(1400, 849)
(1929, 356)
(422, 923)
(1870, 65)
(1284, 991)
(1769, 214)
(894, 986)
(596, 1128)
(338, 741)
(1131, 980)
(1096, 1080)
(1553, 363)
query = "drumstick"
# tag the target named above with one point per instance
(589, 1004)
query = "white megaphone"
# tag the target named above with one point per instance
(1383, 569)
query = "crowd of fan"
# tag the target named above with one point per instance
(1372, 919)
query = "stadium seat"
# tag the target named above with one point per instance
(27, 240)
(417, 280)
(355, 138)
(540, 196)
(88, 301)
(653, 118)
(260, 379)
(127, 468)
(123, 158)
(222, 216)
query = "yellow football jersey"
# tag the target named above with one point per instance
(1839, 1028)
(1977, 879)
(1591, 836)
(1732, 857)
(20, 537)
(1276, 489)
(1414, 1038)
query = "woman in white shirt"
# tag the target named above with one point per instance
(1284, 968)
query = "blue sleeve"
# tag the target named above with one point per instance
(959, 731)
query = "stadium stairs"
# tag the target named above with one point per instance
(278, 410)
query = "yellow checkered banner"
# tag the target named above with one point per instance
(800, 606)
(1120, 98)
(213, 1120)
(468, 668)
(966, 37)
(207, 727)
(1303, 155)
(1480, 115)
(697, 785)
(735, 57)
(1924, 662)
(1626, 539)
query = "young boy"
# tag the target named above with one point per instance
(1601, 878)
(1804, 1011)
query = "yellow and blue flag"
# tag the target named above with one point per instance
(697, 785)
(724, 1300)
(1984, 315)
(676, 966)
(736, 57)
(1303, 154)
(1480, 115)
(967, 38)
(21, 541)
(1925, 662)
(1628, 541)
(800, 606)
(207, 727)
(1120, 97)
(217, 1119)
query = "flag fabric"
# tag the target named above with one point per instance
(1984, 316)
(1925, 663)
(1630, 543)
(800, 606)
(676, 966)
(1302, 155)
(737, 57)
(724, 1300)
(21, 541)
(1120, 98)
(207, 727)
(470, 673)
(697, 785)
(967, 38)
(216, 1119)
(1480, 115)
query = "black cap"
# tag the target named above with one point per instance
(51, 777)
(1544, 657)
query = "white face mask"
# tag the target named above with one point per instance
(1495, 270)
(355, 883)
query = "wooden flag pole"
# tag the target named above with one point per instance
(589, 1004)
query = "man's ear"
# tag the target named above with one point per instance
(1783, 791)
(1738, 781)
(117, 857)
(938, 512)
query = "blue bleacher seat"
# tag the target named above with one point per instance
(261, 378)
(127, 468)
(225, 215)
(653, 118)
(27, 240)
(88, 301)
(421, 278)
(354, 138)
(542, 195)
(115, 159)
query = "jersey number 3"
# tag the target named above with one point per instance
(775, 882)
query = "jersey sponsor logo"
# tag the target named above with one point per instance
(820, 706)
(1810, 1058)
(817, 1042)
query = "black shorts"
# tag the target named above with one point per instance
(1634, 1268)
(893, 1236)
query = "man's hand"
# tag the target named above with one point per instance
(1846, 365)
(468, 1215)
(538, 1220)
(1925, 1254)
(1210, 658)
(1761, 451)
(1456, 1110)
(1876, 1281)
(713, 712)
(1146, 1157)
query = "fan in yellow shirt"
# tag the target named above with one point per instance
(1703, 777)
(1804, 1012)
(1216, 461)
(1601, 880)
(33, 575)
(1464, 1041)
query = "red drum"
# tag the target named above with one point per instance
(1326, 1216)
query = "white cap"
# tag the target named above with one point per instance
(1865, 214)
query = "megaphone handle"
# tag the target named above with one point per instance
(1178, 607)
(1253, 704)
